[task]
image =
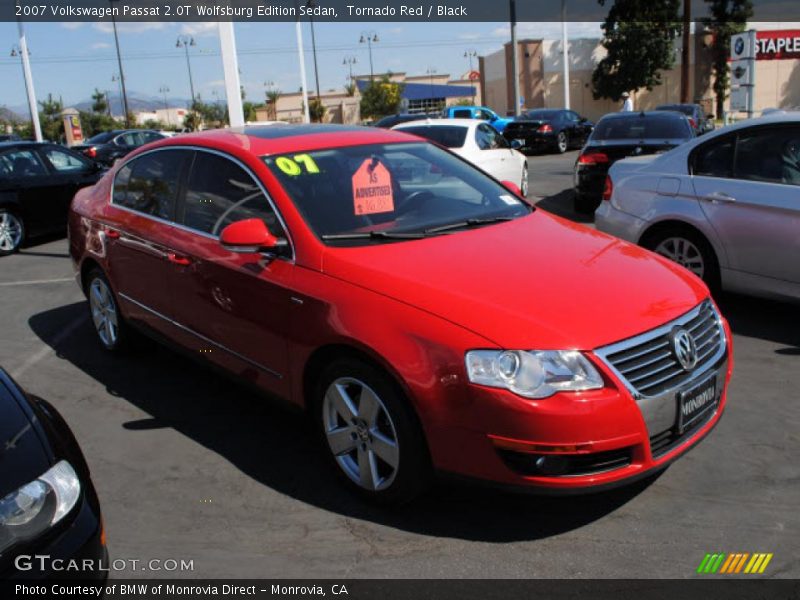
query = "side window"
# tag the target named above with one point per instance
(462, 113)
(770, 155)
(150, 184)
(17, 164)
(150, 136)
(488, 138)
(572, 116)
(65, 162)
(485, 115)
(714, 159)
(219, 192)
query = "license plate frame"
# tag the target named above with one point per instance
(707, 387)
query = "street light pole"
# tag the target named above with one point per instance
(118, 79)
(687, 20)
(369, 37)
(565, 44)
(514, 56)
(350, 61)
(431, 71)
(184, 41)
(470, 54)
(310, 4)
(28, 76)
(121, 72)
(164, 90)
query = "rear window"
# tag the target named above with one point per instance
(641, 128)
(685, 109)
(462, 113)
(539, 115)
(449, 136)
(101, 138)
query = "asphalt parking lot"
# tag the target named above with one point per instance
(190, 466)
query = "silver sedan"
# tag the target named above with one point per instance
(725, 206)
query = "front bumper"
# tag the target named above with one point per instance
(602, 436)
(613, 221)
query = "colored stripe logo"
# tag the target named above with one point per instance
(739, 562)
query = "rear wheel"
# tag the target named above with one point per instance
(523, 186)
(371, 433)
(561, 143)
(12, 232)
(689, 249)
(109, 325)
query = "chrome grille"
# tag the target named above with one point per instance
(647, 363)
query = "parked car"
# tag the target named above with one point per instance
(10, 137)
(698, 119)
(110, 146)
(552, 129)
(37, 183)
(48, 505)
(477, 112)
(725, 206)
(427, 317)
(392, 120)
(478, 143)
(618, 135)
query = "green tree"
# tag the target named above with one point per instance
(316, 110)
(50, 119)
(99, 102)
(94, 123)
(272, 103)
(639, 37)
(350, 89)
(728, 17)
(192, 121)
(381, 98)
(249, 109)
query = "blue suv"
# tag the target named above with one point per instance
(477, 112)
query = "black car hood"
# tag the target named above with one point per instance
(23, 457)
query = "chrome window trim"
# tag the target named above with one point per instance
(182, 227)
(701, 369)
(201, 336)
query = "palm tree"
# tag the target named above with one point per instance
(272, 101)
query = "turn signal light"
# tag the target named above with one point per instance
(545, 128)
(593, 158)
(692, 122)
(608, 189)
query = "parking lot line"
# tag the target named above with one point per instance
(37, 281)
(46, 350)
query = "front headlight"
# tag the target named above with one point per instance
(38, 505)
(533, 373)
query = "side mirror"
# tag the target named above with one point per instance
(249, 236)
(512, 187)
(516, 144)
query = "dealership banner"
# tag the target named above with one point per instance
(343, 10)
(410, 589)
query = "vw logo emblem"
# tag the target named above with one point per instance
(738, 46)
(684, 348)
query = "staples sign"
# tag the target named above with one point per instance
(772, 45)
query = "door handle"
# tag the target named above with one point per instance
(177, 259)
(720, 197)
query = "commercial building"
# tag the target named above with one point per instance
(541, 75)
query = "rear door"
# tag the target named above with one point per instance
(749, 187)
(33, 188)
(234, 306)
(70, 172)
(139, 227)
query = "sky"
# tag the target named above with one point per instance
(70, 60)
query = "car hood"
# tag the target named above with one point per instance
(22, 455)
(536, 282)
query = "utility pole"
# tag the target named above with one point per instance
(301, 57)
(431, 71)
(514, 56)
(565, 44)
(184, 41)
(121, 72)
(22, 51)
(230, 66)
(470, 54)
(116, 78)
(165, 90)
(350, 61)
(311, 4)
(368, 37)
(685, 55)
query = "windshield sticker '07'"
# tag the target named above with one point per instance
(294, 166)
(372, 188)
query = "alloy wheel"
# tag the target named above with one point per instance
(10, 232)
(523, 186)
(562, 142)
(683, 252)
(104, 312)
(360, 433)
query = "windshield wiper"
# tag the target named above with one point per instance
(468, 223)
(375, 235)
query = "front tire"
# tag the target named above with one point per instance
(370, 432)
(523, 185)
(12, 232)
(109, 325)
(561, 143)
(689, 249)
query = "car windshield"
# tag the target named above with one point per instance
(539, 115)
(641, 128)
(101, 138)
(382, 192)
(449, 136)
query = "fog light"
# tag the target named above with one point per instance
(552, 464)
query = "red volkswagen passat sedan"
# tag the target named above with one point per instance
(428, 318)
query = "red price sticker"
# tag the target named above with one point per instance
(372, 189)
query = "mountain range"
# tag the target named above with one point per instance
(137, 102)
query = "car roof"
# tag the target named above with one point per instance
(265, 140)
(669, 114)
(13, 143)
(439, 123)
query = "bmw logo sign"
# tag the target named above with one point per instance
(738, 47)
